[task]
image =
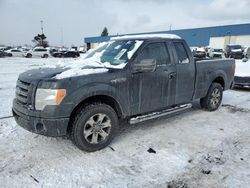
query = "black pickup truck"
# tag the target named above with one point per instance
(135, 78)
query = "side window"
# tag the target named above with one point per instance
(181, 53)
(40, 50)
(157, 51)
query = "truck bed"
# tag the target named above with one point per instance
(209, 70)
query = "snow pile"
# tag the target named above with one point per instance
(80, 67)
(78, 72)
(242, 68)
(128, 37)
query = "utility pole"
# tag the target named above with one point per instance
(42, 25)
(170, 27)
(62, 37)
(42, 30)
(229, 37)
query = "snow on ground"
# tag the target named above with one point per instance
(193, 149)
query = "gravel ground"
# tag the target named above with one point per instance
(193, 149)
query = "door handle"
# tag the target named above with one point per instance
(172, 75)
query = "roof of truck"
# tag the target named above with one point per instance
(146, 36)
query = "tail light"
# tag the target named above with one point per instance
(233, 68)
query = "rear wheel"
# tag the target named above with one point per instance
(94, 127)
(213, 98)
(45, 56)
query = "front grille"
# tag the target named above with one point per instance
(241, 80)
(22, 91)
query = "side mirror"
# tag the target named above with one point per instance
(145, 65)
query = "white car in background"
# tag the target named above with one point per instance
(15, 52)
(82, 49)
(242, 73)
(37, 52)
(215, 52)
(247, 52)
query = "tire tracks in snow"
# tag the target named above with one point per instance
(6, 117)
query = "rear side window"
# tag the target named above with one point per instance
(181, 53)
(157, 51)
(40, 50)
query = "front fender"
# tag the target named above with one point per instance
(87, 91)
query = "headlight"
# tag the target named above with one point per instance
(46, 97)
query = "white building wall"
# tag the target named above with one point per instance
(217, 42)
(221, 42)
(94, 45)
(243, 40)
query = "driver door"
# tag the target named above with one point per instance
(151, 91)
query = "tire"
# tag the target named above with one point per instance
(10, 55)
(45, 56)
(29, 55)
(88, 132)
(213, 98)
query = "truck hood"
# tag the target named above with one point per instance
(71, 69)
(39, 74)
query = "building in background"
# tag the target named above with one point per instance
(215, 37)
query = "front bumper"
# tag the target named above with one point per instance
(44, 126)
(242, 81)
(217, 55)
(236, 55)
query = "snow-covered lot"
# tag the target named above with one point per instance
(193, 149)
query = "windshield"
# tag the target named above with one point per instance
(218, 50)
(115, 52)
(235, 47)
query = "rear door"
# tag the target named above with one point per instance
(151, 91)
(185, 68)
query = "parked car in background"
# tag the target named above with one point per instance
(37, 52)
(82, 49)
(247, 52)
(73, 54)
(4, 53)
(73, 48)
(52, 50)
(66, 54)
(215, 52)
(234, 51)
(4, 48)
(15, 52)
(58, 53)
(199, 53)
(242, 74)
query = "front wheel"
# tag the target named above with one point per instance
(213, 98)
(29, 56)
(94, 127)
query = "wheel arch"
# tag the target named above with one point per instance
(105, 99)
(220, 80)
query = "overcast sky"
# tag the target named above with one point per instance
(69, 21)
